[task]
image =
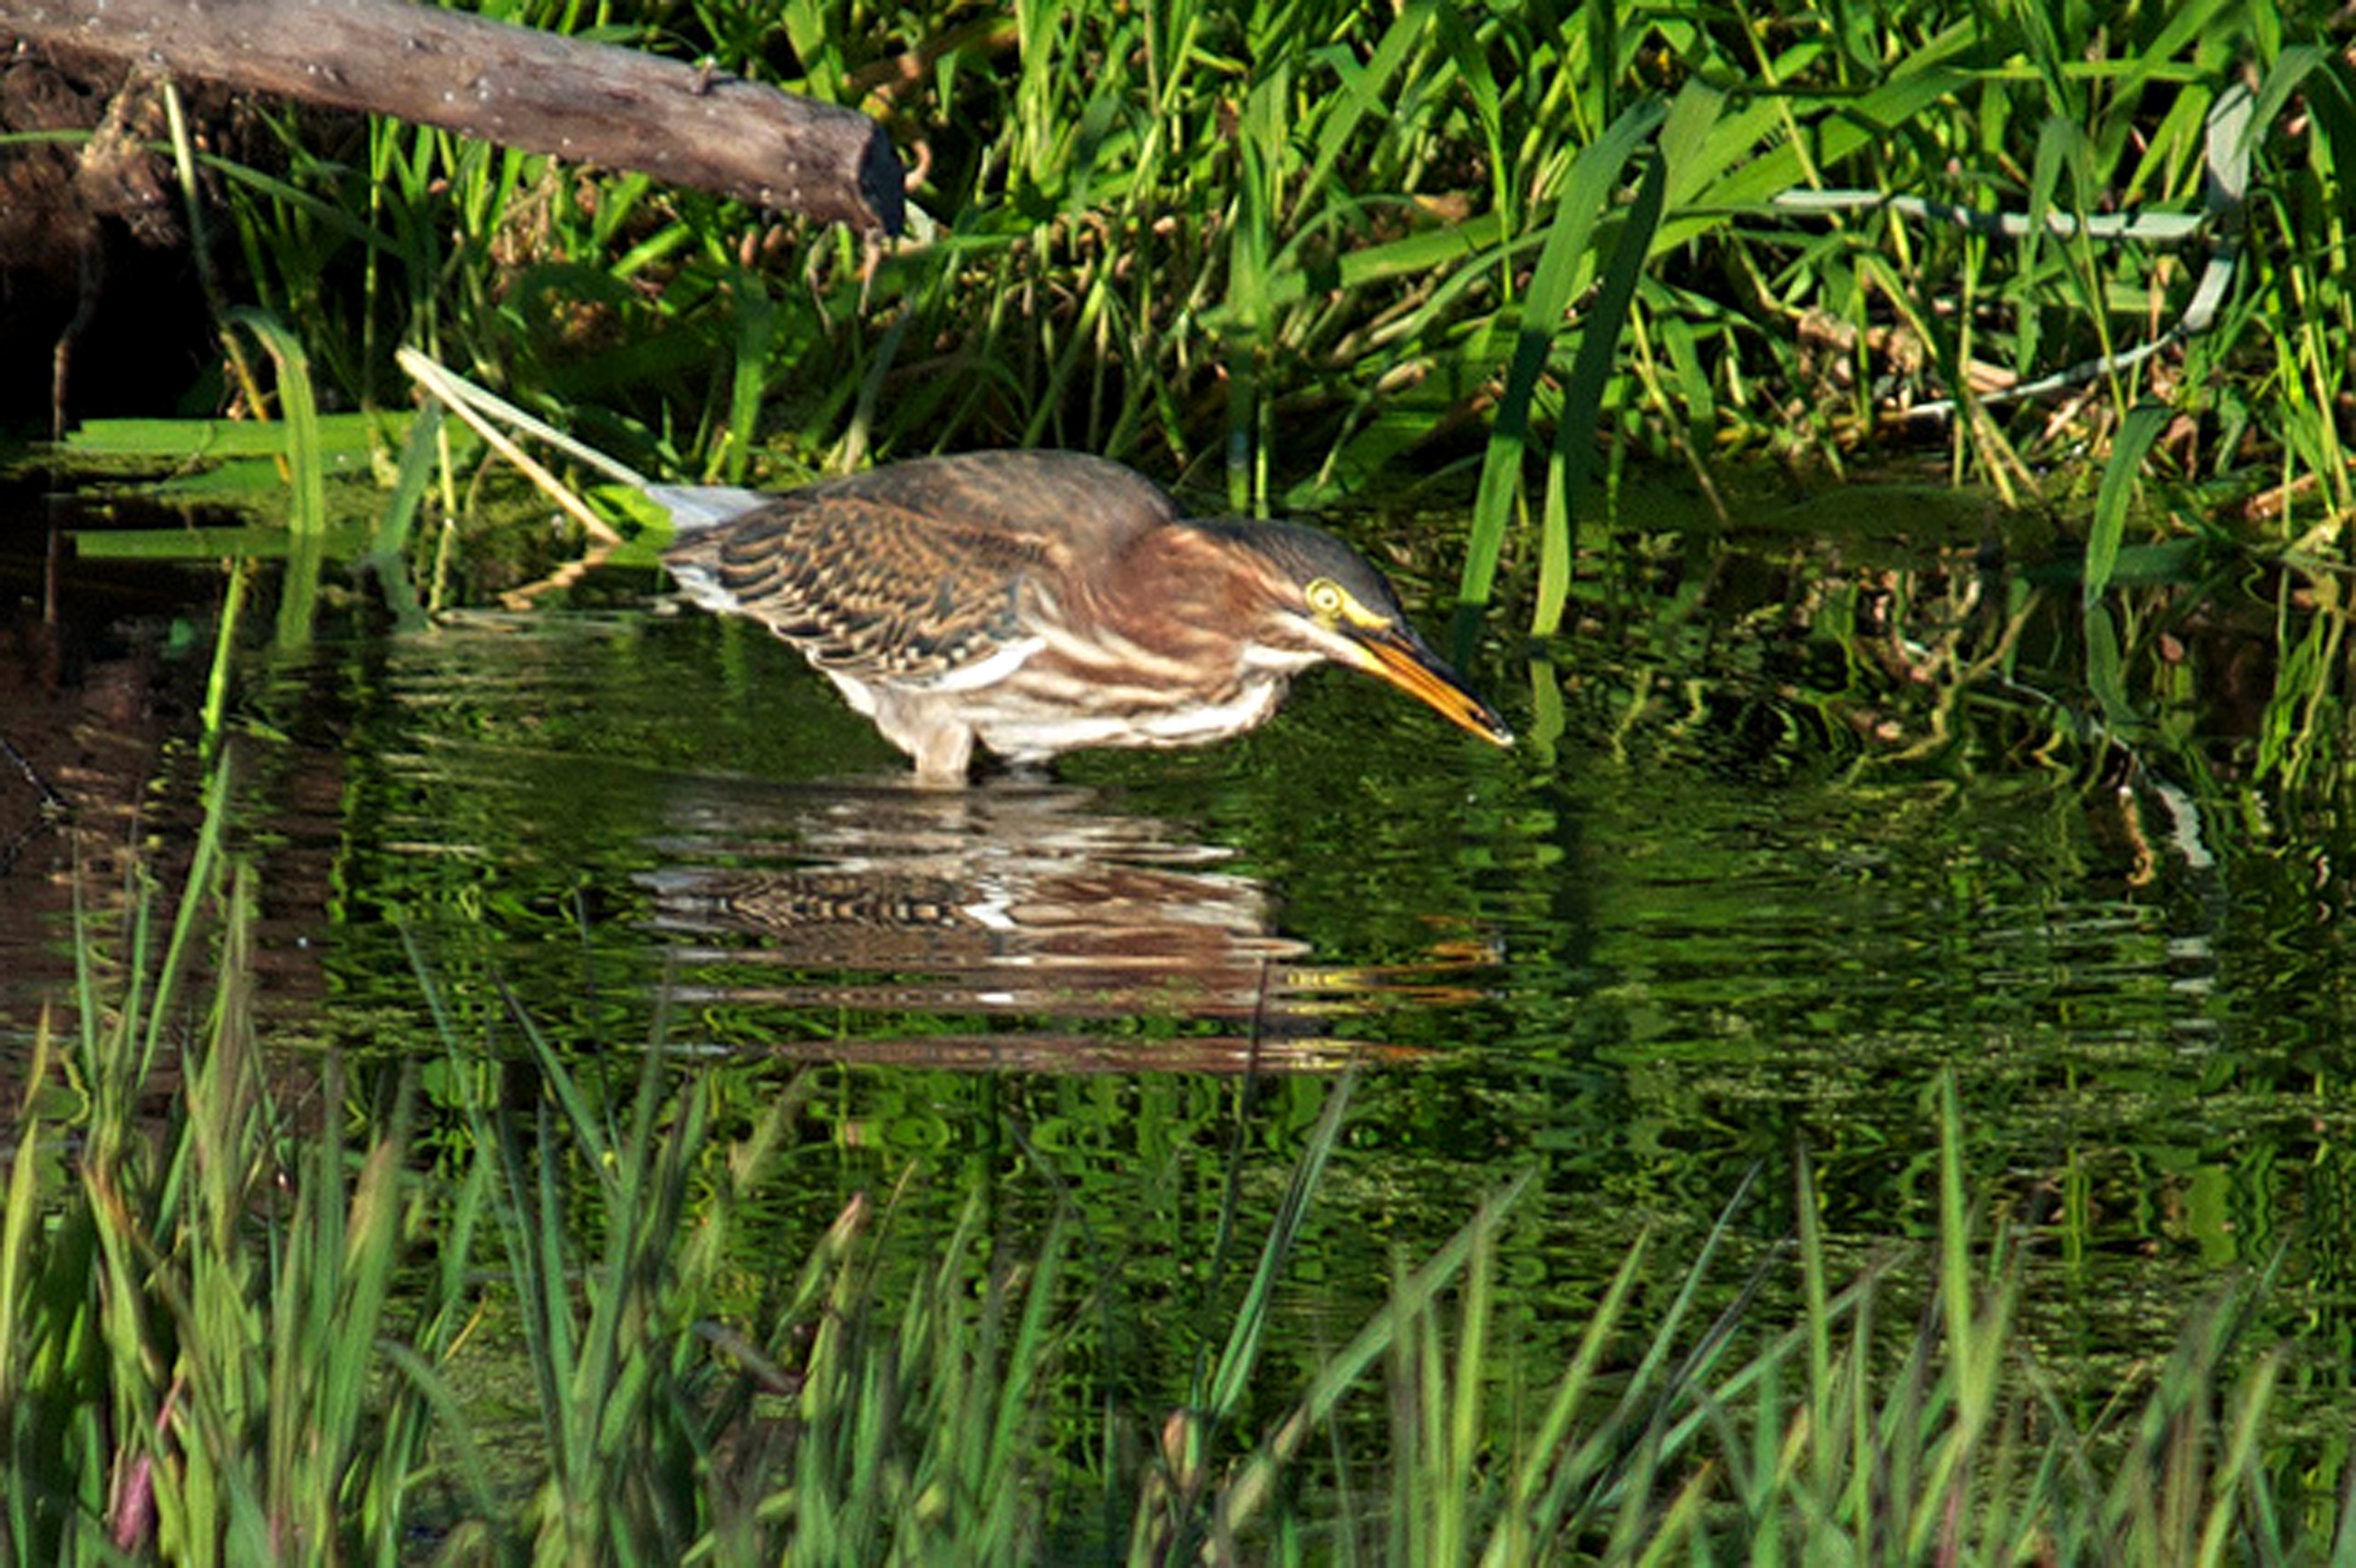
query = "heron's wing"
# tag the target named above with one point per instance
(863, 587)
(923, 569)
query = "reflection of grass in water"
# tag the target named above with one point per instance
(222, 1335)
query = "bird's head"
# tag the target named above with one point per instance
(1320, 598)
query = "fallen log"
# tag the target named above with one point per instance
(538, 91)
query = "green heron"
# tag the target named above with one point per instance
(1035, 603)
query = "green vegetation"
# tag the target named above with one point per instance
(1294, 251)
(493, 1303)
(235, 1327)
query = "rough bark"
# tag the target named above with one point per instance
(538, 91)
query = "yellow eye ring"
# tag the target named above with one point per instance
(1326, 598)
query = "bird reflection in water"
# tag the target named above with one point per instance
(1027, 604)
(1023, 908)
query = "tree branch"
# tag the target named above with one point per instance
(583, 103)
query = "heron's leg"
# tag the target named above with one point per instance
(943, 752)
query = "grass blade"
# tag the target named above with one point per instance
(1564, 265)
(2136, 432)
(1591, 375)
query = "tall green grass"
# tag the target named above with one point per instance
(192, 1288)
(1297, 249)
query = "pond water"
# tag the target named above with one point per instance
(1796, 827)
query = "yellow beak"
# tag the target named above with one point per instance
(1398, 655)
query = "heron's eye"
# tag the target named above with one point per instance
(1332, 602)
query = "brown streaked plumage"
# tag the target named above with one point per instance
(1034, 603)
